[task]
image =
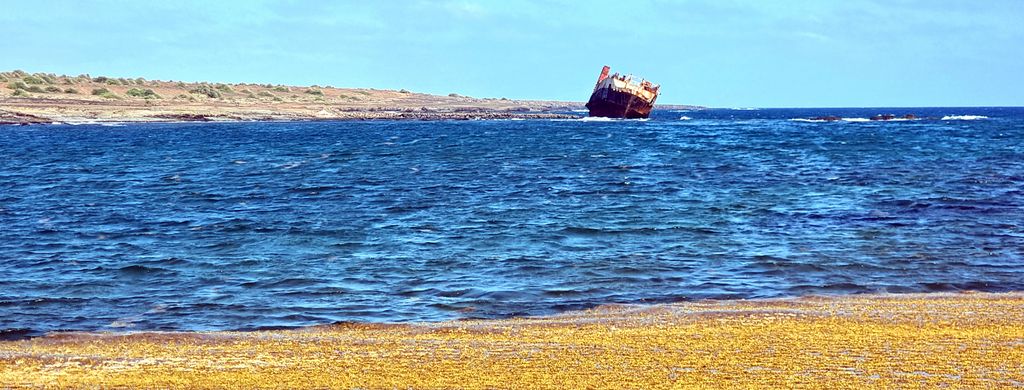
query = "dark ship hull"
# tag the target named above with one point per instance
(617, 96)
(614, 104)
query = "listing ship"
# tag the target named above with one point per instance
(618, 96)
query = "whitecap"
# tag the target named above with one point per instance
(684, 118)
(963, 117)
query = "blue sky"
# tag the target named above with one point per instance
(722, 53)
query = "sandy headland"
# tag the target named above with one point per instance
(968, 340)
(47, 98)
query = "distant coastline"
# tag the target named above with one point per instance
(43, 98)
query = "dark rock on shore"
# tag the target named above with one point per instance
(11, 118)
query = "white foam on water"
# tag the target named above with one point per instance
(684, 118)
(838, 120)
(963, 117)
(76, 122)
(602, 119)
(580, 110)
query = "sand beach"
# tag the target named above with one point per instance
(861, 341)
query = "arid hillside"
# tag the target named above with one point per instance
(46, 98)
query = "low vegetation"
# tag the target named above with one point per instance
(32, 80)
(206, 90)
(104, 93)
(142, 93)
(43, 85)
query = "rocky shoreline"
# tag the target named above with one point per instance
(43, 98)
(65, 111)
(12, 118)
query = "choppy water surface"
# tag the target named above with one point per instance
(247, 225)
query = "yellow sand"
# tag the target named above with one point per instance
(958, 340)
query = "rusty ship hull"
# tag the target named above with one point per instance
(617, 96)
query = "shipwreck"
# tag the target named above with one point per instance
(619, 96)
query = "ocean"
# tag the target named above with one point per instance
(262, 225)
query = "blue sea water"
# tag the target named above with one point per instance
(199, 226)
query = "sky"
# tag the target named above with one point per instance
(718, 53)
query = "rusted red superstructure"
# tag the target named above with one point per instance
(617, 96)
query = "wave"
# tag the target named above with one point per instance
(604, 119)
(810, 120)
(963, 117)
(92, 123)
(945, 118)
(684, 118)
(837, 120)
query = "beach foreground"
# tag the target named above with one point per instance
(960, 340)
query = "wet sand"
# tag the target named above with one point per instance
(881, 341)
